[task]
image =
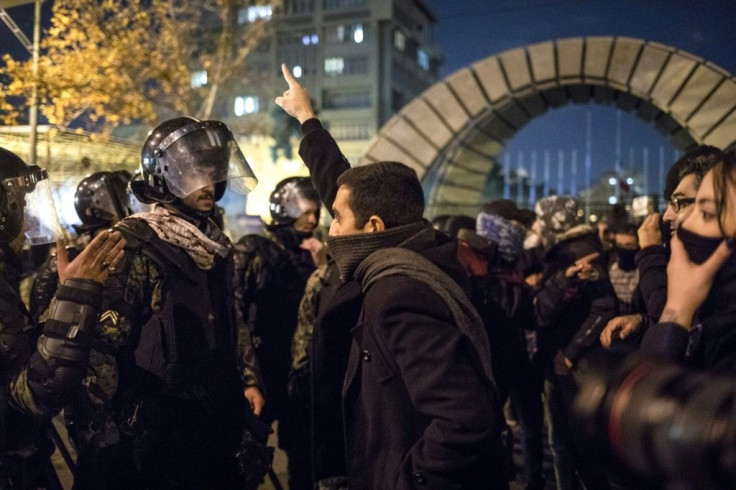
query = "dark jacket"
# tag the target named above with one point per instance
(570, 313)
(504, 302)
(417, 410)
(652, 265)
(711, 343)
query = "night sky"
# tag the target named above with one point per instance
(471, 30)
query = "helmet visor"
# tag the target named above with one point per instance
(32, 192)
(200, 154)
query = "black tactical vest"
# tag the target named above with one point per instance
(190, 341)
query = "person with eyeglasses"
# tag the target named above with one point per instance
(681, 186)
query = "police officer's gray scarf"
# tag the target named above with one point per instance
(350, 250)
(183, 234)
(405, 262)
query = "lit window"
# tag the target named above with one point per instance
(297, 71)
(399, 40)
(334, 66)
(345, 33)
(246, 105)
(251, 14)
(358, 34)
(199, 79)
(423, 58)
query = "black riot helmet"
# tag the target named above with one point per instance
(102, 200)
(291, 198)
(26, 204)
(183, 155)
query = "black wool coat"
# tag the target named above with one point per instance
(417, 408)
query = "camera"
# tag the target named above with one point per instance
(647, 419)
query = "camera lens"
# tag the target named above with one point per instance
(659, 420)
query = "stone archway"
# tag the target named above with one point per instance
(458, 126)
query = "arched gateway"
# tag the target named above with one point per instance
(461, 124)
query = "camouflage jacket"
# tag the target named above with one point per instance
(133, 293)
(269, 276)
(308, 309)
(305, 321)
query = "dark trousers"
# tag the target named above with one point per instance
(519, 379)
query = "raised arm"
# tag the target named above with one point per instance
(318, 149)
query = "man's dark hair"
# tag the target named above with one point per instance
(389, 190)
(696, 161)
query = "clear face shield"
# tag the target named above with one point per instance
(31, 193)
(200, 154)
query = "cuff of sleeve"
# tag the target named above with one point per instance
(646, 252)
(311, 125)
(81, 291)
(666, 338)
(250, 379)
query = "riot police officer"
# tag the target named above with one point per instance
(173, 380)
(272, 273)
(36, 383)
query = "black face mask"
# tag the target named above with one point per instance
(698, 247)
(625, 257)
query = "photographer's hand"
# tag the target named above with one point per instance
(688, 284)
(295, 101)
(623, 326)
(649, 232)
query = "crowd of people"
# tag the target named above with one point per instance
(394, 354)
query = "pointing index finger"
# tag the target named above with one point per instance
(288, 76)
(587, 259)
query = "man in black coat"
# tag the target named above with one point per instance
(419, 404)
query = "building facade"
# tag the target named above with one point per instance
(362, 60)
